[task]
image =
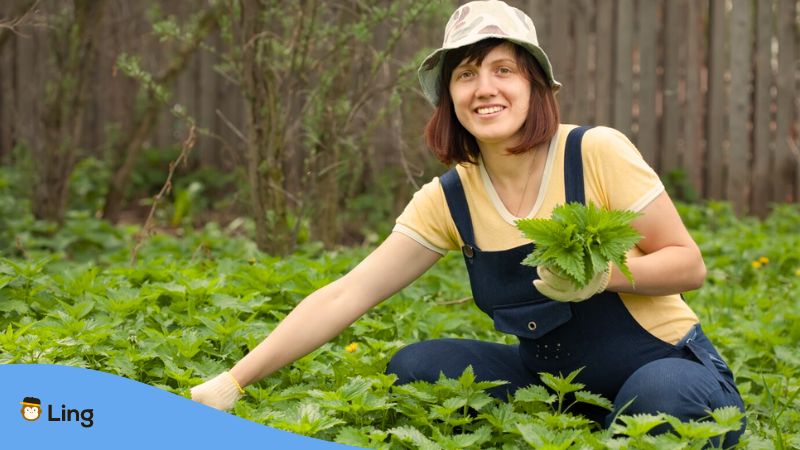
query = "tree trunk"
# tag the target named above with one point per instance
(132, 148)
(264, 132)
(56, 154)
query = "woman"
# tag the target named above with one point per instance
(496, 117)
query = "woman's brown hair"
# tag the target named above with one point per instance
(451, 142)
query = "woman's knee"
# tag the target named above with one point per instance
(675, 386)
(420, 361)
(679, 387)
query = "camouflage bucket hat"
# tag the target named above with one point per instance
(473, 22)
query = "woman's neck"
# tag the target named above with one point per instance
(509, 170)
(516, 177)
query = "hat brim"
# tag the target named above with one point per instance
(429, 73)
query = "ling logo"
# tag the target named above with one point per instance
(31, 408)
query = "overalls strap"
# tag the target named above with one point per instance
(459, 210)
(573, 166)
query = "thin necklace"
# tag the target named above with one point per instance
(528, 180)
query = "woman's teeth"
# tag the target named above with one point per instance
(489, 109)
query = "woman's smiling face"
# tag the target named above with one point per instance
(491, 99)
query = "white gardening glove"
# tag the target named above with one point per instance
(562, 289)
(220, 392)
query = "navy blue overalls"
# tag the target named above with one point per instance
(598, 334)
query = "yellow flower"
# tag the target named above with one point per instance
(763, 260)
(352, 347)
(756, 264)
(797, 272)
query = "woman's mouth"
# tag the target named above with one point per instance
(486, 110)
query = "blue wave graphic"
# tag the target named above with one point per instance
(124, 414)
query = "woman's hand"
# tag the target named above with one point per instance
(562, 289)
(220, 392)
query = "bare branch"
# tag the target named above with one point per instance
(25, 13)
(231, 126)
(148, 229)
(455, 302)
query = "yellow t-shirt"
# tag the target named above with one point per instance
(615, 176)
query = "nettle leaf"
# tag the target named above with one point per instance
(534, 394)
(593, 399)
(501, 417)
(637, 425)
(728, 416)
(478, 400)
(667, 441)
(540, 437)
(579, 241)
(363, 437)
(7, 306)
(411, 435)
(356, 387)
(4, 280)
(466, 440)
(696, 430)
(563, 421)
(417, 390)
(306, 419)
(453, 404)
(562, 384)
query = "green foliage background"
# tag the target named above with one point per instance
(194, 304)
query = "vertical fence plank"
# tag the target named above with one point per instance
(186, 88)
(559, 49)
(96, 118)
(538, 10)
(647, 137)
(623, 64)
(207, 83)
(604, 55)
(27, 81)
(7, 108)
(186, 96)
(762, 148)
(785, 162)
(669, 149)
(693, 123)
(739, 112)
(582, 17)
(718, 63)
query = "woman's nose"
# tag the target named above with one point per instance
(486, 86)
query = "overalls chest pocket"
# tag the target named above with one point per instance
(531, 320)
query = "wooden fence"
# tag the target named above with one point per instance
(707, 89)
(704, 87)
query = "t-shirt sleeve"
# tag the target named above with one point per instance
(426, 219)
(615, 172)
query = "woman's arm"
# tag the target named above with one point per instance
(671, 263)
(324, 314)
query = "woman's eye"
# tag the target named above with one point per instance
(464, 75)
(504, 70)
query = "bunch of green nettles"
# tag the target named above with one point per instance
(579, 240)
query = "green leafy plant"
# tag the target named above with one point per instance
(194, 304)
(578, 241)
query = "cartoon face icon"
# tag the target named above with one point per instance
(31, 408)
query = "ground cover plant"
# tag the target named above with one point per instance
(193, 305)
